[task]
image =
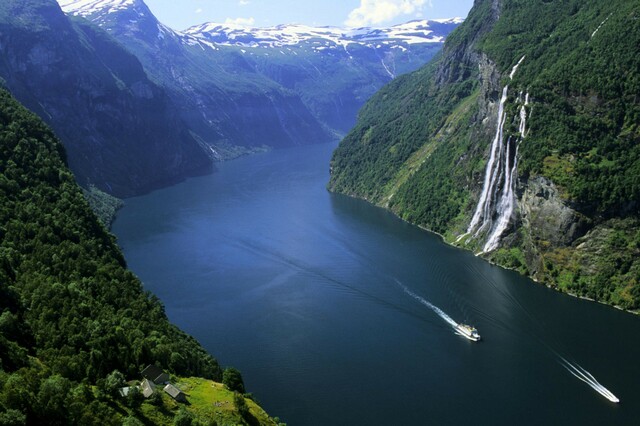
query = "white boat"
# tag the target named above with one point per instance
(467, 331)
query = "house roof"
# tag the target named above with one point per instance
(174, 392)
(148, 387)
(155, 374)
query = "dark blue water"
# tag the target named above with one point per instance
(307, 293)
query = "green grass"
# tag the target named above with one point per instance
(211, 400)
(208, 402)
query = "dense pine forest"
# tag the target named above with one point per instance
(72, 317)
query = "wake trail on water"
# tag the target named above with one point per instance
(428, 304)
(536, 331)
(506, 293)
(585, 376)
(275, 256)
(437, 272)
(571, 366)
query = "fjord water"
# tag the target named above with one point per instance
(311, 296)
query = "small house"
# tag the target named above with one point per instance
(147, 387)
(155, 374)
(175, 393)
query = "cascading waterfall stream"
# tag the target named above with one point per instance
(497, 199)
(489, 172)
(507, 201)
(515, 68)
(499, 184)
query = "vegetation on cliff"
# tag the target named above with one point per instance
(105, 206)
(119, 128)
(421, 144)
(70, 312)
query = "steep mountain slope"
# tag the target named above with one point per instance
(223, 100)
(70, 311)
(520, 141)
(120, 130)
(333, 70)
(273, 85)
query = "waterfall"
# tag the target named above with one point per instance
(489, 175)
(515, 68)
(497, 200)
(601, 24)
(506, 203)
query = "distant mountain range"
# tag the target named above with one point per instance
(139, 105)
(333, 71)
(322, 38)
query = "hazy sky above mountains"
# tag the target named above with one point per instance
(182, 14)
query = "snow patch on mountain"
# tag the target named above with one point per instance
(89, 7)
(414, 32)
(318, 39)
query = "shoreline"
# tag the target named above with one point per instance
(450, 244)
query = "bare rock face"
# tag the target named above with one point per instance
(490, 93)
(546, 223)
(547, 217)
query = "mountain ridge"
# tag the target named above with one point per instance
(111, 116)
(420, 27)
(520, 142)
(74, 321)
(306, 69)
(412, 32)
(224, 102)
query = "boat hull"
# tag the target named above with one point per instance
(468, 332)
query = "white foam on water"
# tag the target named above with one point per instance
(582, 374)
(430, 305)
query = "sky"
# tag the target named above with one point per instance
(182, 14)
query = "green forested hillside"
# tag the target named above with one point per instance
(422, 144)
(70, 311)
(585, 129)
(120, 129)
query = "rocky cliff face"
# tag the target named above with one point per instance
(219, 95)
(121, 132)
(545, 216)
(299, 84)
(518, 143)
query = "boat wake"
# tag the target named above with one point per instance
(537, 332)
(428, 304)
(297, 265)
(586, 377)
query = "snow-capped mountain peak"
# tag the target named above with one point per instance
(89, 7)
(121, 16)
(423, 31)
(135, 16)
